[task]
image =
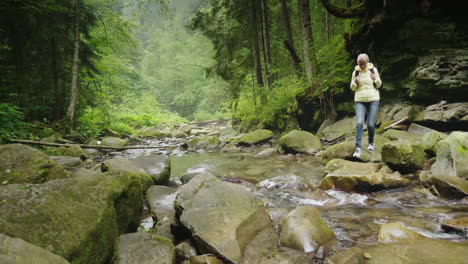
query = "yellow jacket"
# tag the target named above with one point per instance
(366, 91)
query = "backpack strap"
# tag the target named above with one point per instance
(356, 74)
(372, 70)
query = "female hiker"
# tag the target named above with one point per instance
(364, 82)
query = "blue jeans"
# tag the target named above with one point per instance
(361, 108)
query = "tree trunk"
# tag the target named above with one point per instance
(75, 67)
(289, 41)
(255, 44)
(58, 100)
(308, 49)
(343, 12)
(266, 40)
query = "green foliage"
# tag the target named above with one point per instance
(11, 122)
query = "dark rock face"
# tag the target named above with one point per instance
(424, 58)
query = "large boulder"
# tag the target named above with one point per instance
(300, 142)
(400, 135)
(67, 162)
(346, 149)
(161, 203)
(339, 129)
(77, 218)
(255, 137)
(448, 186)
(390, 113)
(18, 251)
(446, 113)
(23, 164)
(204, 142)
(404, 156)
(304, 229)
(452, 156)
(156, 165)
(457, 225)
(227, 220)
(430, 141)
(360, 177)
(114, 142)
(144, 248)
(400, 245)
(72, 151)
(153, 132)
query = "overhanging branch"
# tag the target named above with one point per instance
(343, 12)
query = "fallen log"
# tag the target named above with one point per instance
(396, 123)
(32, 142)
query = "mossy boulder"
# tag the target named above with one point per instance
(394, 232)
(204, 142)
(158, 166)
(457, 225)
(78, 218)
(230, 148)
(430, 141)
(69, 163)
(300, 142)
(304, 229)
(360, 177)
(404, 156)
(448, 186)
(144, 248)
(346, 149)
(255, 137)
(23, 164)
(153, 132)
(400, 135)
(339, 129)
(73, 151)
(452, 156)
(178, 134)
(114, 142)
(226, 220)
(18, 251)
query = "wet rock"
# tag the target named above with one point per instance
(394, 232)
(284, 182)
(255, 137)
(156, 165)
(67, 162)
(153, 132)
(205, 142)
(361, 177)
(23, 164)
(400, 135)
(83, 172)
(178, 134)
(73, 151)
(457, 225)
(266, 153)
(448, 186)
(304, 229)
(443, 112)
(161, 202)
(231, 148)
(114, 142)
(185, 250)
(203, 259)
(120, 164)
(404, 156)
(18, 251)
(346, 149)
(144, 248)
(226, 220)
(418, 129)
(430, 141)
(452, 156)
(186, 128)
(391, 113)
(339, 129)
(300, 142)
(88, 211)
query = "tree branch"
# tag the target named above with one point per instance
(344, 12)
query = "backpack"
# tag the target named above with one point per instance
(356, 74)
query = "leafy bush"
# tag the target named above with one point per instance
(11, 122)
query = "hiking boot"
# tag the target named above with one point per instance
(357, 153)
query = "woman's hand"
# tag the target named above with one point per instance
(356, 81)
(373, 76)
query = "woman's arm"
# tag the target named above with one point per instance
(377, 80)
(354, 82)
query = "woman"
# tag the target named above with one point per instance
(364, 82)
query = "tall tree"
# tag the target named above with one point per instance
(308, 49)
(255, 42)
(75, 67)
(266, 40)
(289, 41)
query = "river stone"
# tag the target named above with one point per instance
(204, 142)
(185, 250)
(18, 251)
(339, 129)
(144, 248)
(360, 177)
(67, 162)
(158, 166)
(452, 156)
(404, 156)
(304, 229)
(231, 148)
(399, 135)
(414, 249)
(418, 129)
(226, 220)
(153, 132)
(23, 164)
(77, 218)
(161, 202)
(203, 259)
(443, 112)
(73, 151)
(300, 142)
(430, 140)
(390, 113)
(114, 142)
(178, 134)
(458, 225)
(267, 153)
(448, 186)
(120, 164)
(346, 149)
(255, 137)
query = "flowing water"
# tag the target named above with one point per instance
(287, 181)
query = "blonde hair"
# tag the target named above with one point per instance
(362, 57)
